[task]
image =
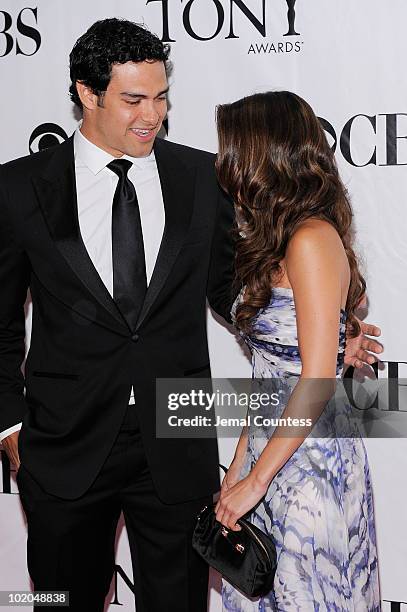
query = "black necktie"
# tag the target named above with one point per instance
(129, 267)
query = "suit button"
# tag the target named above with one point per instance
(135, 337)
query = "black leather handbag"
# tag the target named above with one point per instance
(246, 558)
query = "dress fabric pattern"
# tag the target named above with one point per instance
(319, 506)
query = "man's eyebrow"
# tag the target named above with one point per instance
(130, 94)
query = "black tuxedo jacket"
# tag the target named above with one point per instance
(83, 358)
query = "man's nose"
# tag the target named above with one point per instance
(149, 113)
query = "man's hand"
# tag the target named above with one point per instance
(359, 350)
(10, 445)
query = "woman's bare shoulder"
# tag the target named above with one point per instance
(316, 235)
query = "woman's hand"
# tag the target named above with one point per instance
(232, 476)
(235, 502)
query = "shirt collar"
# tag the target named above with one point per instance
(96, 158)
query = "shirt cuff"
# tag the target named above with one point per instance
(10, 430)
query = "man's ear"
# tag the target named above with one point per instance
(87, 96)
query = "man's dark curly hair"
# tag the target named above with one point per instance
(108, 42)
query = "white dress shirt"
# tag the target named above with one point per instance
(95, 186)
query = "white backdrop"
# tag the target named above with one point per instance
(348, 62)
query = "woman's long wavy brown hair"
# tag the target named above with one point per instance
(275, 163)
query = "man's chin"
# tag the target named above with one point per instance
(141, 149)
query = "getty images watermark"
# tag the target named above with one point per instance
(332, 408)
(198, 398)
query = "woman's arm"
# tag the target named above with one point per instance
(233, 474)
(318, 272)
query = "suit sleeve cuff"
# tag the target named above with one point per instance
(10, 430)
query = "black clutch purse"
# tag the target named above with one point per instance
(246, 558)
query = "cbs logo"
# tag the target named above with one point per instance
(45, 136)
(23, 31)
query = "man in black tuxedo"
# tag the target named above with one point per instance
(121, 237)
(111, 313)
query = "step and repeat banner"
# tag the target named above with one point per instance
(346, 58)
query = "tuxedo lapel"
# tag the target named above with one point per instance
(177, 185)
(56, 193)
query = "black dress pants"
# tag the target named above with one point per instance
(70, 543)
